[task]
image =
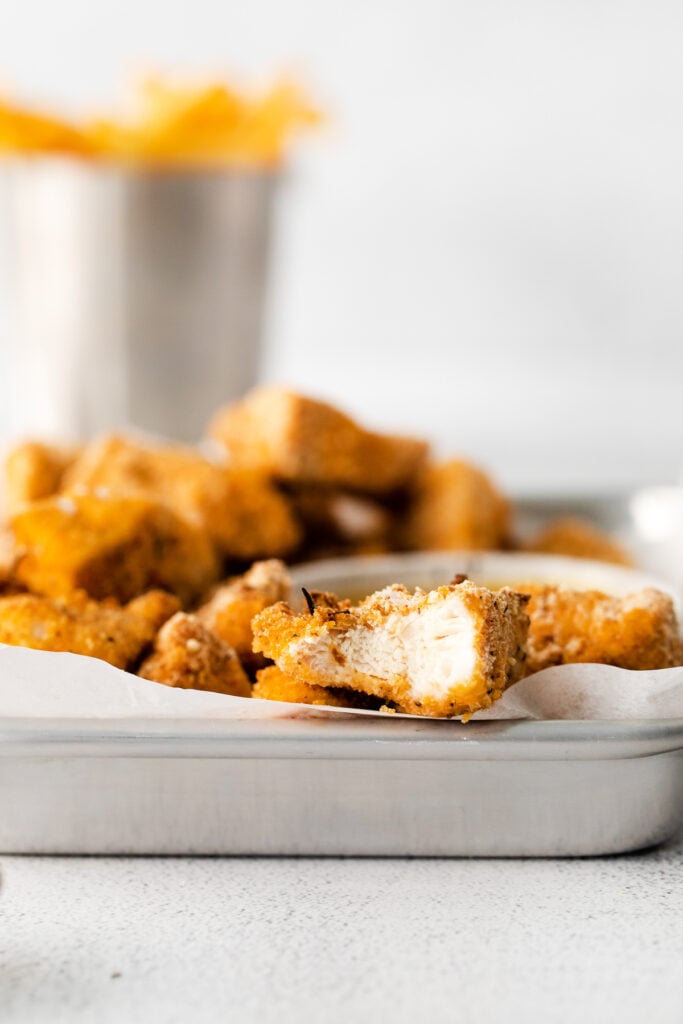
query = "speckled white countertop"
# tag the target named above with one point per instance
(242, 940)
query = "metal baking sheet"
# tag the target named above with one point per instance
(340, 787)
(355, 786)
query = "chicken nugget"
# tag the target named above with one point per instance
(455, 505)
(577, 538)
(34, 471)
(189, 656)
(110, 546)
(102, 630)
(448, 652)
(250, 518)
(300, 440)
(639, 631)
(155, 607)
(8, 558)
(272, 684)
(233, 605)
(245, 515)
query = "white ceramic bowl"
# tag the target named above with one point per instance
(357, 577)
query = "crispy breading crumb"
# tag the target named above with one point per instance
(189, 656)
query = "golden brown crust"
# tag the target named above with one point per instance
(189, 656)
(272, 684)
(576, 538)
(364, 647)
(242, 511)
(34, 471)
(568, 626)
(304, 441)
(231, 607)
(455, 505)
(110, 547)
(102, 630)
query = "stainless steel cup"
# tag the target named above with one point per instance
(135, 297)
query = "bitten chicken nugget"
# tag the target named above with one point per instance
(34, 471)
(233, 605)
(272, 684)
(300, 440)
(455, 505)
(100, 629)
(567, 626)
(115, 547)
(577, 539)
(188, 655)
(448, 652)
(242, 511)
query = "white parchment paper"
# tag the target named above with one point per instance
(41, 685)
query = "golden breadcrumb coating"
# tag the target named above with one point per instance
(232, 605)
(455, 505)
(188, 655)
(110, 547)
(301, 440)
(448, 652)
(34, 471)
(635, 632)
(272, 684)
(577, 539)
(102, 630)
(243, 512)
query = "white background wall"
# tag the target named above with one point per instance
(487, 243)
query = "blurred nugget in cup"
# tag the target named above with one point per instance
(203, 125)
(167, 217)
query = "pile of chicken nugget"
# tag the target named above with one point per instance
(156, 557)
